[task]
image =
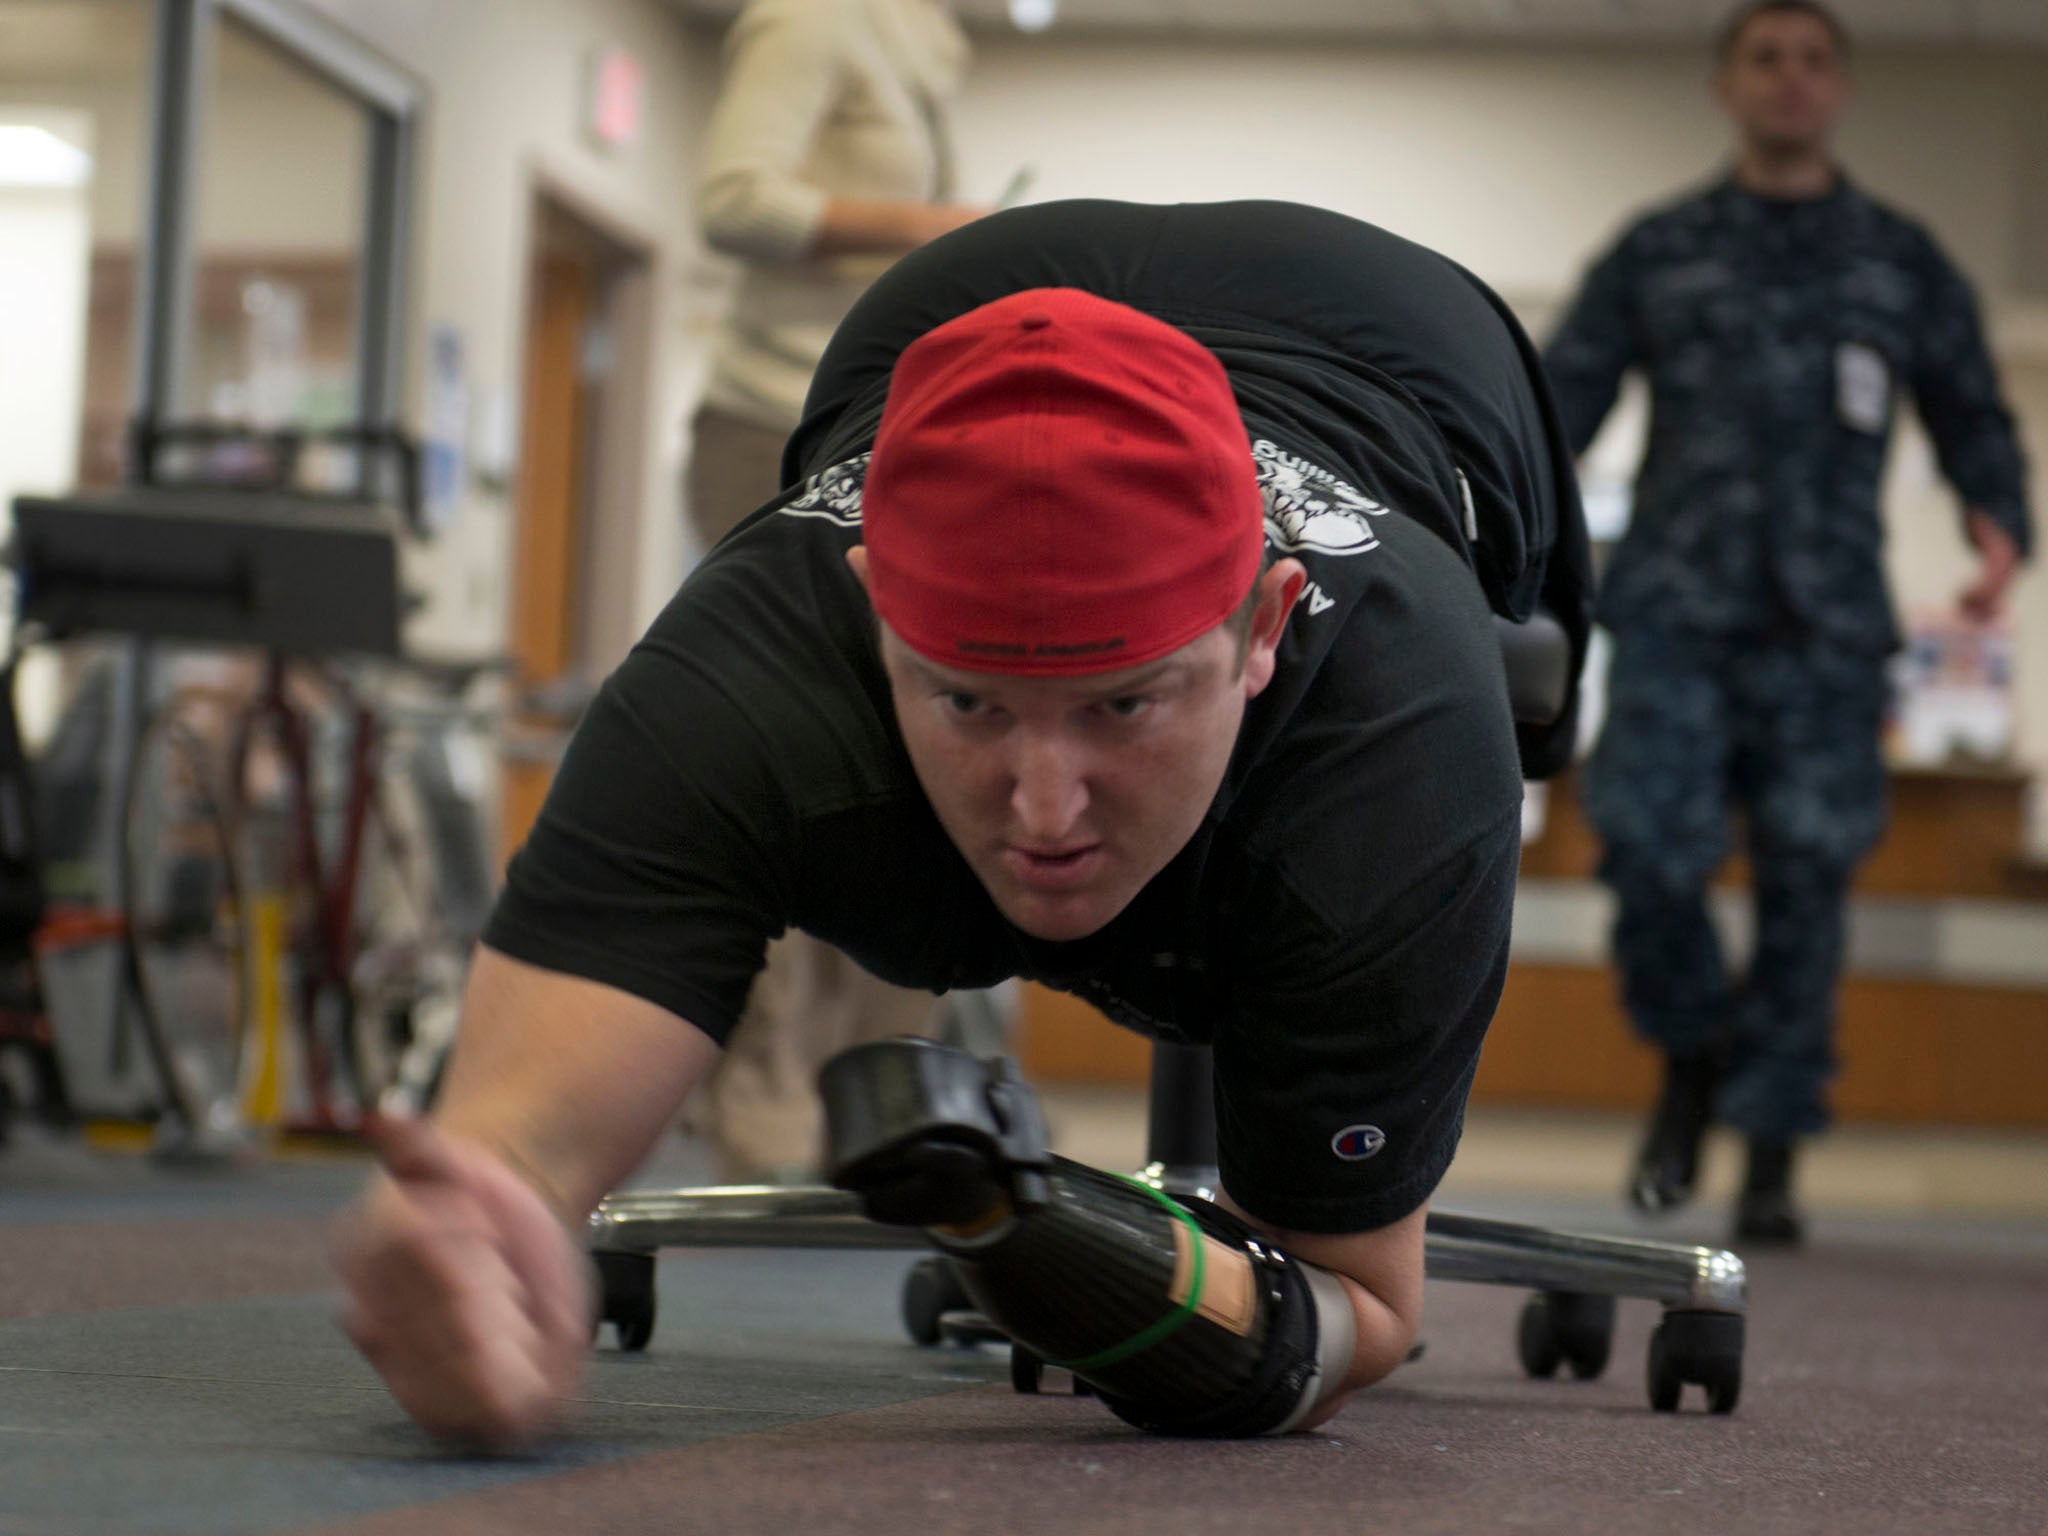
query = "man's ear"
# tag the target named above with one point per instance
(857, 558)
(1280, 587)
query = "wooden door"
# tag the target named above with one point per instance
(555, 419)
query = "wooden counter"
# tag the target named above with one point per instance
(1912, 1050)
(1951, 833)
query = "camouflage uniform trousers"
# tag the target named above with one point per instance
(1784, 731)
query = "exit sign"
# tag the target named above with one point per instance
(616, 98)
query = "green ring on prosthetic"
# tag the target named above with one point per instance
(1145, 1338)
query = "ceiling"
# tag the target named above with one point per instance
(1498, 21)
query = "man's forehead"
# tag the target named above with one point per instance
(1172, 665)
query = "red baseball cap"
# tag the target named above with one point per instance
(1061, 485)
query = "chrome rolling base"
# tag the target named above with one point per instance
(1577, 1277)
(740, 1216)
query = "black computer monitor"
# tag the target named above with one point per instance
(266, 570)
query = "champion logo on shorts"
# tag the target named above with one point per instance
(1355, 1143)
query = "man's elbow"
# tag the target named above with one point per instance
(1386, 1333)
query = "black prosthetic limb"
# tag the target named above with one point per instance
(1175, 1312)
(1180, 1316)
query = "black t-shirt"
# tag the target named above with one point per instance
(1338, 927)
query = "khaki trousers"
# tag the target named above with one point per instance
(759, 1108)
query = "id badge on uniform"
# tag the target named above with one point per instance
(1863, 387)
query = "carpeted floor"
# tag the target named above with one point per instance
(169, 1364)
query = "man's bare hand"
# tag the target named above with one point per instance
(463, 1290)
(1983, 600)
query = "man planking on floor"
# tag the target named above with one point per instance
(1127, 627)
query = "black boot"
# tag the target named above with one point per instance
(1765, 1215)
(1668, 1165)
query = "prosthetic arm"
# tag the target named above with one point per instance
(1182, 1318)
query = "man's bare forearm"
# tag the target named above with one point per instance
(569, 1081)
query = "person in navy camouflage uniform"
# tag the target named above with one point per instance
(1777, 315)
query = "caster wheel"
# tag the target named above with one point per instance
(1696, 1347)
(1666, 1385)
(1536, 1339)
(626, 1297)
(968, 1329)
(930, 1291)
(1027, 1375)
(1027, 1371)
(1565, 1328)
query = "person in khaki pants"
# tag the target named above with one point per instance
(828, 158)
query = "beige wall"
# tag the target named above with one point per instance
(1517, 162)
(1520, 163)
(280, 168)
(281, 171)
(1523, 163)
(44, 240)
(506, 83)
(44, 243)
